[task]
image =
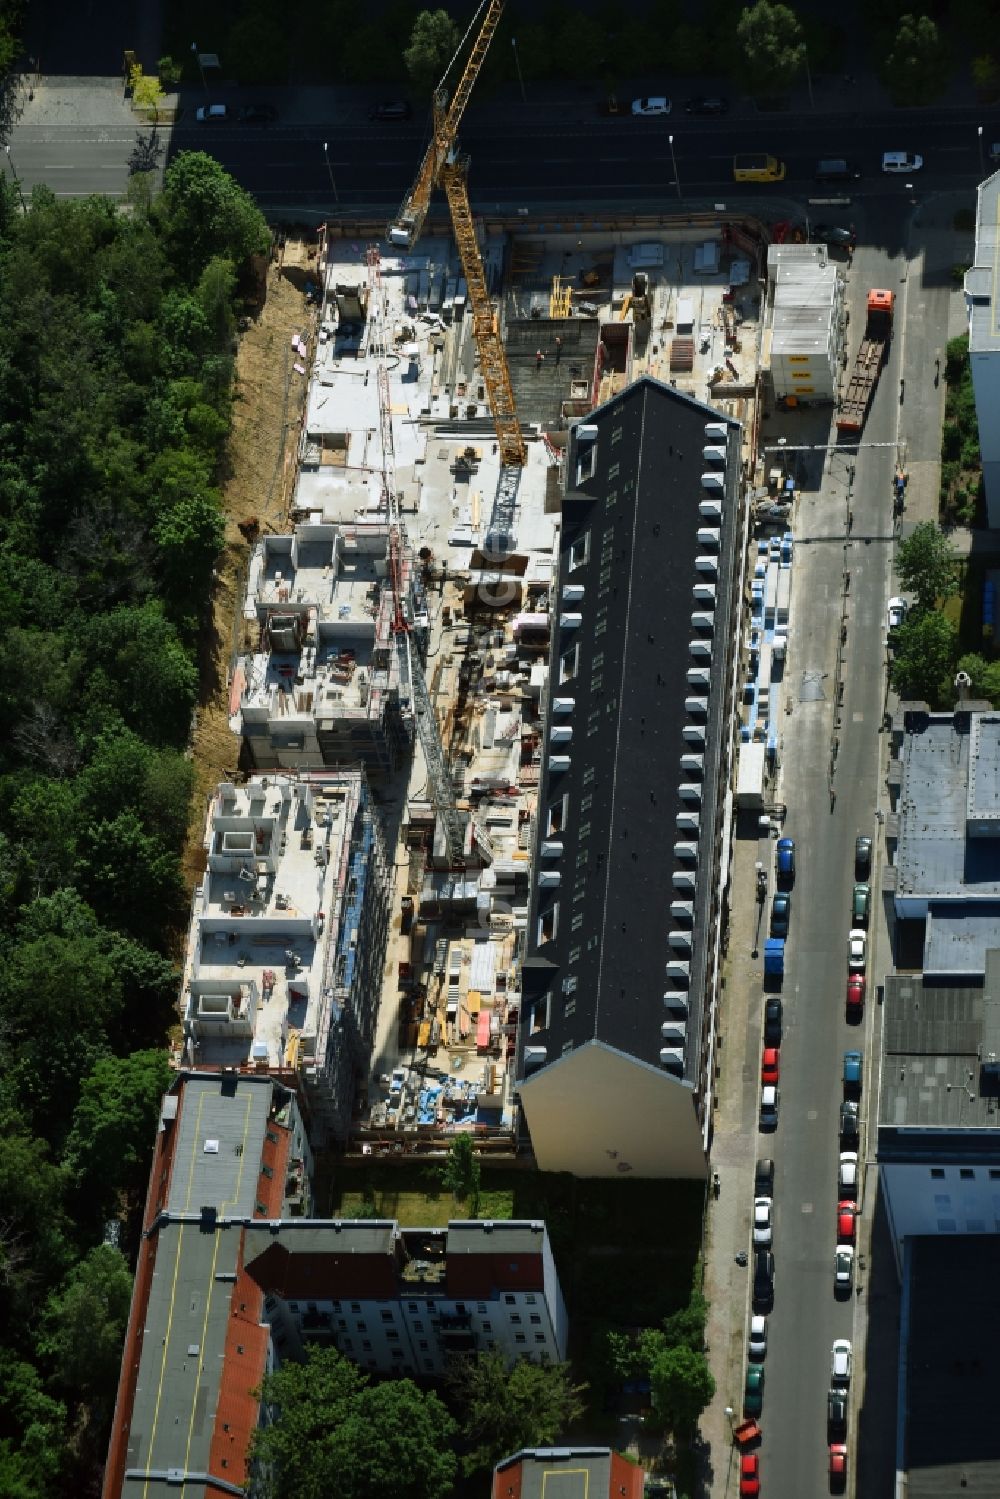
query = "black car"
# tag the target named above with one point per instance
(763, 1278)
(391, 109)
(862, 858)
(706, 104)
(834, 234)
(781, 913)
(772, 1020)
(763, 1181)
(258, 114)
(849, 1127)
(836, 1414)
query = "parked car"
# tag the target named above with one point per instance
(836, 169)
(840, 1361)
(847, 1175)
(862, 857)
(391, 109)
(856, 985)
(895, 613)
(211, 114)
(860, 902)
(770, 1065)
(772, 1020)
(847, 1222)
(849, 1124)
(258, 114)
(854, 1073)
(838, 1467)
(706, 104)
(753, 1390)
(769, 1101)
(856, 949)
(781, 913)
(843, 1270)
(995, 151)
(784, 860)
(901, 161)
(749, 1475)
(763, 1178)
(762, 1221)
(757, 1343)
(834, 234)
(658, 105)
(763, 1279)
(836, 1413)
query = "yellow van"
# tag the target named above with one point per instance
(758, 168)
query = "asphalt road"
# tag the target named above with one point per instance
(535, 154)
(807, 1316)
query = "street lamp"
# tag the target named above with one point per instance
(201, 70)
(673, 158)
(809, 81)
(982, 167)
(326, 158)
(16, 179)
(517, 64)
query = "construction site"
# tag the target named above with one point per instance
(400, 621)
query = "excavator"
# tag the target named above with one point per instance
(443, 165)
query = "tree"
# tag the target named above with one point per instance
(33, 1468)
(189, 537)
(985, 676)
(915, 70)
(926, 647)
(773, 53)
(460, 1173)
(682, 1386)
(433, 43)
(205, 213)
(147, 91)
(111, 1140)
(170, 71)
(83, 1326)
(331, 1430)
(501, 1410)
(686, 1328)
(926, 564)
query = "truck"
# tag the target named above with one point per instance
(869, 361)
(774, 957)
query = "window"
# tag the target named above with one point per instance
(397, 1353)
(579, 552)
(975, 1226)
(937, 1174)
(481, 1308)
(586, 462)
(558, 816)
(548, 923)
(600, 628)
(586, 802)
(588, 775)
(540, 1014)
(569, 664)
(355, 1306)
(270, 1135)
(348, 1346)
(611, 499)
(487, 1327)
(946, 1226)
(531, 1300)
(386, 1316)
(418, 1326)
(520, 1337)
(967, 1174)
(616, 433)
(510, 1300)
(535, 1319)
(567, 1046)
(614, 471)
(366, 1345)
(539, 1337)
(411, 1306)
(424, 1345)
(293, 1306)
(574, 957)
(392, 1335)
(267, 1171)
(516, 1317)
(569, 984)
(342, 1323)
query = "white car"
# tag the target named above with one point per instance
(856, 945)
(843, 1273)
(895, 613)
(757, 1345)
(901, 161)
(658, 106)
(840, 1361)
(847, 1177)
(762, 1222)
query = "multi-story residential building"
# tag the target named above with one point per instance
(322, 681)
(984, 337)
(621, 979)
(288, 931)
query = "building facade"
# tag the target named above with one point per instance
(984, 338)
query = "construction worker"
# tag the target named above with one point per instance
(539, 359)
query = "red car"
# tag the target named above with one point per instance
(847, 1214)
(855, 994)
(838, 1466)
(749, 1475)
(770, 1066)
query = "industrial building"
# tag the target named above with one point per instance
(803, 335)
(981, 282)
(283, 968)
(620, 981)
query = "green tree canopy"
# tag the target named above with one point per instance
(432, 45)
(682, 1386)
(926, 564)
(205, 214)
(83, 1326)
(915, 69)
(984, 675)
(333, 1431)
(772, 51)
(110, 1142)
(924, 662)
(501, 1410)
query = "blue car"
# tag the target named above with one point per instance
(785, 860)
(853, 1071)
(781, 910)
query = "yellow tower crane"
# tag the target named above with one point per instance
(443, 165)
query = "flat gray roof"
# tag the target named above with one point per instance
(981, 280)
(520, 1237)
(950, 1332)
(935, 856)
(217, 1154)
(931, 1038)
(563, 1472)
(958, 935)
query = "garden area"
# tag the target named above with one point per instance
(961, 500)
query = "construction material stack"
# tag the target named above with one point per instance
(869, 361)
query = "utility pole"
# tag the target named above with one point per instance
(809, 81)
(520, 79)
(326, 158)
(982, 165)
(673, 158)
(201, 70)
